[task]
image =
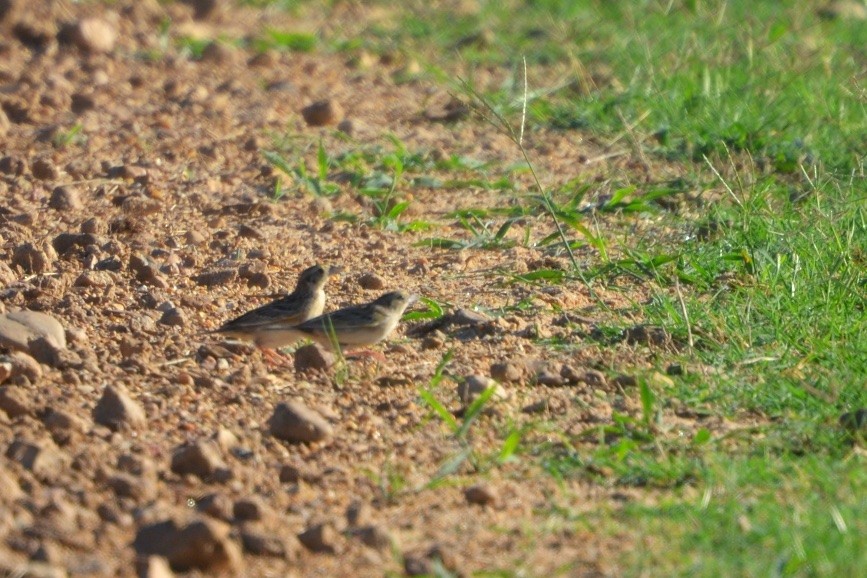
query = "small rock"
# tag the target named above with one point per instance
(202, 459)
(9, 488)
(42, 458)
(347, 127)
(536, 407)
(646, 335)
(129, 486)
(292, 474)
(19, 329)
(63, 425)
(94, 279)
(594, 378)
(226, 440)
(549, 378)
(507, 372)
(313, 357)
(374, 536)
(218, 53)
(216, 278)
(24, 365)
(215, 505)
(173, 317)
(194, 238)
(371, 281)
(116, 409)
(63, 242)
(32, 258)
(248, 509)
(322, 113)
(249, 232)
(474, 385)
(358, 513)
(153, 567)
(202, 544)
(5, 370)
(43, 169)
(481, 494)
(293, 422)
(262, 543)
(435, 340)
(12, 166)
(320, 538)
(94, 35)
(64, 198)
(15, 401)
(422, 563)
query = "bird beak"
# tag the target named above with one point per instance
(411, 299)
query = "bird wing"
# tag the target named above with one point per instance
(285, 310)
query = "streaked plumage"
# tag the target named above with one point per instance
(305, 302)
(353, 326)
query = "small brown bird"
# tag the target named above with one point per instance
(305, 302)
(353, 326)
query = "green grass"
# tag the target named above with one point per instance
(762, 277)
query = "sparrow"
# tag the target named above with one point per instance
(353, 326)
(305, 302)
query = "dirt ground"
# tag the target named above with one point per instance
(135, 208)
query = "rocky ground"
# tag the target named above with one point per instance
(136, 214)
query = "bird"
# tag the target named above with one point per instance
(305, 302)
(353, 326)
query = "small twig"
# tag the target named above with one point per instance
(684, 313)
(722, 180)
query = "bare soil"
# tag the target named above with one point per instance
(168, 198)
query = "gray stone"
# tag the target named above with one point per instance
(294, 422)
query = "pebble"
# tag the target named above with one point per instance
(42, 458)
(436, 340)
(594, 378)
(313, 357)
(64, 198)
(216, 278)
(507, 372)
(259, 542)
(473, 385)
(19, 329)
(549, 378)
(43, 169)
(320, 538)
(94, 35)
(481, 494)
(374, 536)
(23, 365)
(174, 317)
(116, 409)
(202, 544)
(201, 459)
(247, 509)
(371, 281)
(15, 401)
(322, 112)
(294, 422)
(32, 258)
(66, 241)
